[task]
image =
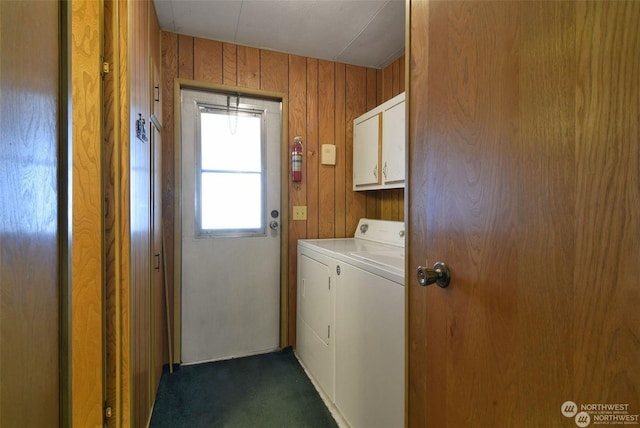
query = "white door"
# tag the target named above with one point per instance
(230, 225)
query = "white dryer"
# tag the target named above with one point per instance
(350, 322)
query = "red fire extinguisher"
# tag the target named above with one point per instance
(296, 160)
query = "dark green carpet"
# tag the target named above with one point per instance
(269, 390)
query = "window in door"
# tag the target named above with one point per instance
(230, 171)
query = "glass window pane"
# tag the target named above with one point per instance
(231, 201)
(230, 141)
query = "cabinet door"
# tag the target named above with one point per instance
(366, 152)
(393, 144)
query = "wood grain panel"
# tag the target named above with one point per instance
(297, 191)
(387, 83)
(29, 230)
(248, 67)
(169, 73)
(401, 74)
(546, 109)
(534, 148)
(416, 316)
(111, 162)
(140, 191)
(86, 275)
(355, 105)
(207, 60)
(311, 149)
(123, 240)
(372, 88)
(606, 322)
(274, 71)
(326, 135)
(341, 155)
(185, 56)
(159, 350)
(229, 64)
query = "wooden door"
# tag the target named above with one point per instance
(524, 178)
(29, 228)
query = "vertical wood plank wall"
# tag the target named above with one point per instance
(140, 187)
(133, 352)
(324, 98)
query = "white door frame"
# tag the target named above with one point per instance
(180, 84)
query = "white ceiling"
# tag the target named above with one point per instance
(361, 32)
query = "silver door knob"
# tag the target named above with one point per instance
(439, 274)
(273, 225)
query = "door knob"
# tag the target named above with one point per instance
(273, 225)
(439, 274)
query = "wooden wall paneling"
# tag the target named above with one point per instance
(207, 60)
(169, 46)
(274, 72)
(379, 73)
(340, 198)
(87, 267)
(248, 68)
(185, 56)
(356, 104)
(111, 102)
(297, 191)
(160, 354)
(31, 205)
(395, 77)
(401, 74)
(141, 226)
(311, 149)
(123, 410)
(387, 83)
(373, 197)
(229, 64)
(326, 135)
(372, 88)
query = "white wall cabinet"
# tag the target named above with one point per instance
(379, 146)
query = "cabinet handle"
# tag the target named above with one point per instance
(384, 170)
(375, 171)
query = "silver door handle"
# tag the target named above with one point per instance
(439, 274)
(273, 225)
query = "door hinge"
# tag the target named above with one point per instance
(108, 412)
(328, 331)
(329, 283)
(106, 68)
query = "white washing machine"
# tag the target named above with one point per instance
(350, 322)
